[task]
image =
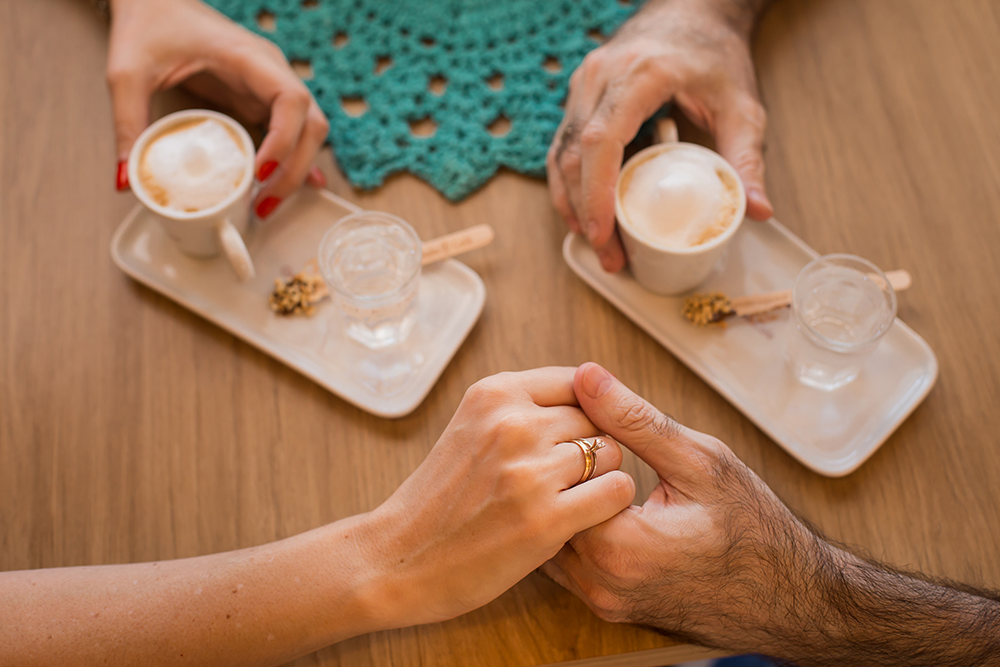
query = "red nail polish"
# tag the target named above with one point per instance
(266, 170)
(121, 179)
(267, 206)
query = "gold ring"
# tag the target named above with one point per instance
(589, 449)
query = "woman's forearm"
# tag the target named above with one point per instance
(258, 606)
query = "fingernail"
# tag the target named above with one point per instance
(266, 170)
(121, 178)
(602, 257)
(319, 178)
(596, 381)
(760, 198)
(592, 231)
(267, 206)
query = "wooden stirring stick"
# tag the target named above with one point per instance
(449, 245)
(301, 293)
(705, 309)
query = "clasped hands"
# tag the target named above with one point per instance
(497, 497)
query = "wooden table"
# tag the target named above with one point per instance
(132, 430)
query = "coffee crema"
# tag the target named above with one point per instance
(680, 198)
(193, 166)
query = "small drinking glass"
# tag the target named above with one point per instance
(371, 264)
(842, 305)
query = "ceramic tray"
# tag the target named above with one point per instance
(831, 432)
(387, 384)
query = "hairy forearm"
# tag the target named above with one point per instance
(259, 606)
(870, 613)
(857, 612)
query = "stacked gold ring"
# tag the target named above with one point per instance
(589, 450)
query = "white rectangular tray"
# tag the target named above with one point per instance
(450, 300)
(832, 432)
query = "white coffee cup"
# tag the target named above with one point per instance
(671, 270)
(205, 232)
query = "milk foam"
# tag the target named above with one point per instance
(680, 198)
(193, 167)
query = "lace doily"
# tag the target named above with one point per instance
(449, 90)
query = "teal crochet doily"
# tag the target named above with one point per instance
(486, 77)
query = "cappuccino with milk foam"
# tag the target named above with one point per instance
(679, 198)
(193, 166)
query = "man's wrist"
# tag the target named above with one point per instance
(741, 16)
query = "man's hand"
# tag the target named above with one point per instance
(695, 52)
(714, 557)
(711, 555)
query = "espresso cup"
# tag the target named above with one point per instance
(662, 267)
(216, 227)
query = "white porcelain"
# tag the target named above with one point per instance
(211, 230)
(673, 270)
(830, 432)
(450, 302)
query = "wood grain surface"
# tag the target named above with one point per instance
(132, 430)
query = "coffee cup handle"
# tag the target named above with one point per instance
(665, 131)
(235, 250)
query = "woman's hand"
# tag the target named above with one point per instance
(158, 44)
(695, 52)
(495, 498)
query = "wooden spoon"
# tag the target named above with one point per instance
(703, 309)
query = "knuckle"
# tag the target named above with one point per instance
(749, 161)
(605, 603)
(754, 112)
(510, 484)
(719, 453)
(274, 49)
(747, 110)
(712, 457)
(622, 488)
(550, 157)
(576, 79)
(571, 160)
(514, 426)
(239, 54)
(609, 558)
(593, 62)
(483, 392)
(594, 134)
(300, 96)
(641, 416)
(612, 453)
(644, 66)
(118, 74)
(317, 125)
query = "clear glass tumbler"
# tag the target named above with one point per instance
(842, 305)
(371, 264)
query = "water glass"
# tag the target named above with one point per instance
(371, 264)
(842, 305)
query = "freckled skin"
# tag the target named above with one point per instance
(498, 494)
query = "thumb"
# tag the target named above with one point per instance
(631, 420)
(740, 140)
(130, 94)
